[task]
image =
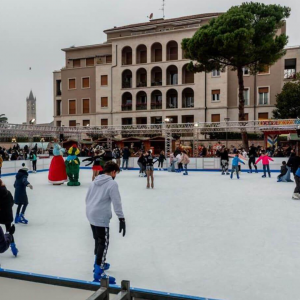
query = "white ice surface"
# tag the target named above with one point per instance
(202, 235)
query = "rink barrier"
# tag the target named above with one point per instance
(102, 292)
(207, 164)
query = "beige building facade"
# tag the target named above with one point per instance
(139, 76)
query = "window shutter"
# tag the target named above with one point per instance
(173, 53)
(72, 123)
(104, 122)
(72, 107)
(247, 117)
(86, 122)
(104, 102)
(215, 118)
(108, 59)
(215, 92)
(86, 82)
(90, 61)
(189, 77)
(143, 56)
(263, 116)
(86, 106)
(72, 84)
(103, 79)
(128, 58)
(263, 90)
(76, 63)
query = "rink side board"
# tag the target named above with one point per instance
(92, 286)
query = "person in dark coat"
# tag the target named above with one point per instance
(6, 239)
(6, 213)
(21, 198)
(293, 162)
(125, 156)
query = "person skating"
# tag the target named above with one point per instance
(150, 169)
(97, 162)
(293, 162)
(33, 159)
(6, 213)
(224, 161)
(142, 164)
(102, 193)
(185, 160)
(117, 156)
(20, 197)
(235, 166)
(125, 156)
(265, 161)
(161, 160)
(252, 155)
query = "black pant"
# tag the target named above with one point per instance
(180, 166)
(101, 237)
(0, 172)
(297, 188)
(23, 206)
(7, 227)
(252, 161)
(160, 164)
(34, 165)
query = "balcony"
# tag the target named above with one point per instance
(127, 107)
(141, 106)
(156, 105)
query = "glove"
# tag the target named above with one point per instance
(30, 186)
(122, 226)
(12, 230)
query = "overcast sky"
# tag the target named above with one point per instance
(33, 32)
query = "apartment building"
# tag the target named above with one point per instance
(139, 76)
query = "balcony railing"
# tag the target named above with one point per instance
(126, 85)
(142, 84)
(126, 107)
(156, 83)
(156, 105)
(141, 106)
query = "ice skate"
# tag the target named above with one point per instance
(99, 274)
(23, 220)
(148, 186)
(264, 176)
(223, 173)
(227, 173)
(152, 185)
(296, 196)
(250, 172)
(17, 219)
(14, 249)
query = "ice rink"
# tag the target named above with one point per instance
(202, 234)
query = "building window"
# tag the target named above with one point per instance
(141, 78)
(126, 121)
(72, 123)
(156, 100)
(215, 95)
(127, 56)
(172, 97)
(76, 63)
(246, 71)
(172, 50)
(86, 123)
(290, 68)
(265, 71)
(58, 123)
(172, 119)
(104, 102)
(90, 62)
(172, 75)
(72, 83)
(187, 98)
(263, 116)
(188, 119)
(108, 59)
(141, 54)
(263, 93)
(86, 106)
(72, 107)
(126, 101)
(58, 87)
(156, 76)
(126, 79)
(104, 80)
(141, 121)
(246, 117)
(156, 120)
(104, 122)
(246, 96)
(215, 118)
(216, 73)
(85, 82)
(141, 101)
(58, 107)
(187, 76)
(156, 52)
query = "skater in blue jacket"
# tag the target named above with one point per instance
(235, 166)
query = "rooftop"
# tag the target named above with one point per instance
(164, 21)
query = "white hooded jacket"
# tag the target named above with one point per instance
(103, 192)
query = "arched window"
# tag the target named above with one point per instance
(141, 101)
(127, 56)
(141, 54)
(172, 75)
(126, 101)
(156, 76)
(126, 79)
(156, 52)
(187, 76)
(172, 99)
(172, 50)
(141, 77)
(156, 99)
(187, 98)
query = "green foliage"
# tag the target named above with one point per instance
(243, 36)
(288, 101)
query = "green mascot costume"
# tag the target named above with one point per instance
(72, 165)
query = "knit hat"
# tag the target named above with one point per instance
(24, 167)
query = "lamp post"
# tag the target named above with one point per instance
(42, 141)
(226, 120)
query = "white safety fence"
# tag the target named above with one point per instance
(196, 164)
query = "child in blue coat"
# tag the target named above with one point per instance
(235, 166)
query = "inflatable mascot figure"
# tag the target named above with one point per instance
(72, 165)
(57, 171)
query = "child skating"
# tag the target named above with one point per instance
(265, 161)
(235, 166)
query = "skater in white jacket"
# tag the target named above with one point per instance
(104, 192)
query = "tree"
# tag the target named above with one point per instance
(245, 36)
(288, 101)
(3, 119)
